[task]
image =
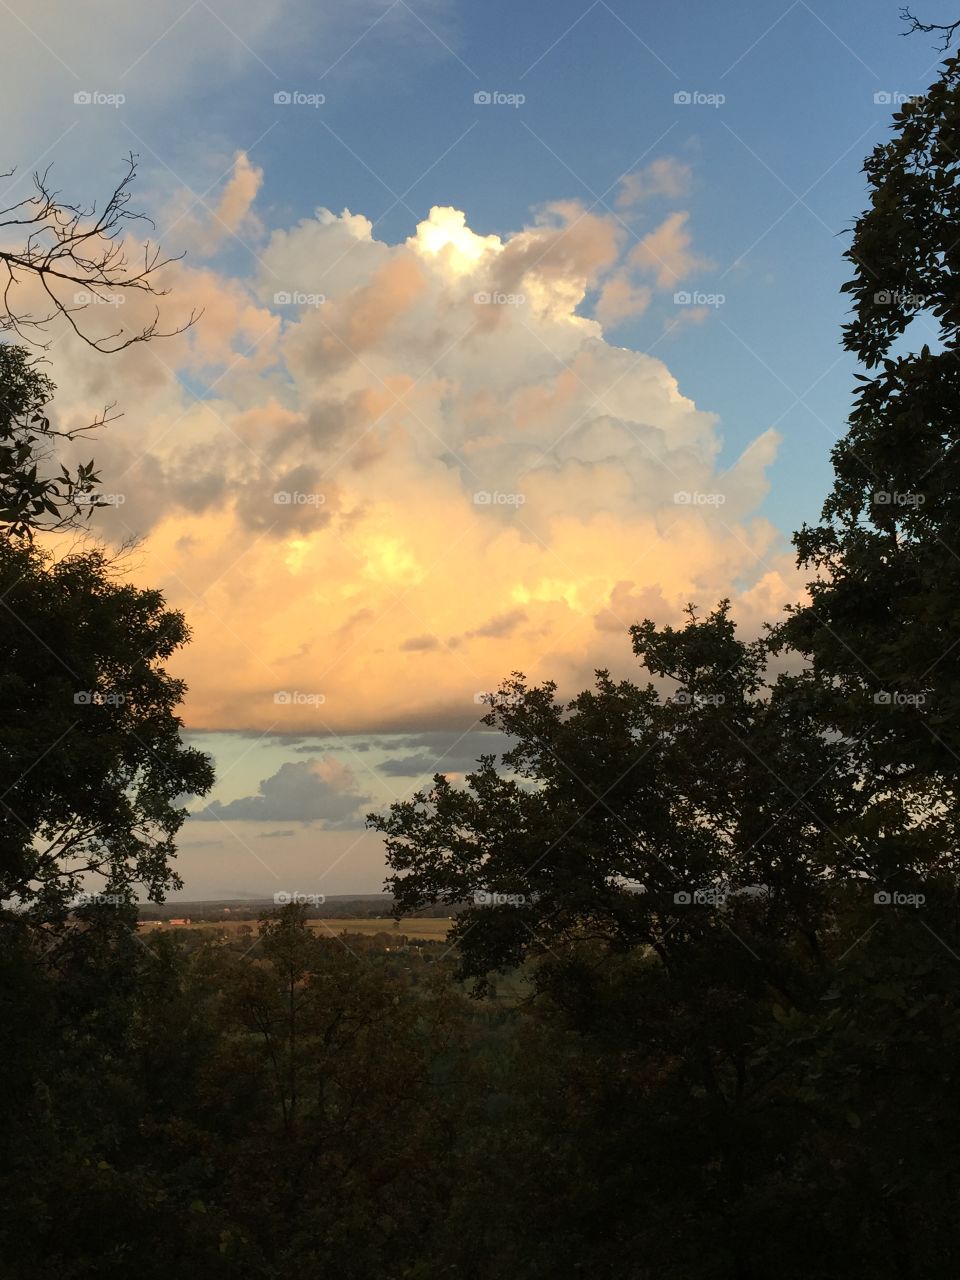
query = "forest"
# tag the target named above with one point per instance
(698, 1012)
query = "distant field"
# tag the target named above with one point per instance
(431, 930)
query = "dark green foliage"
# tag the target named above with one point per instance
(32, 495)
(883, 621)
(626, 800)
(92, 768)
(226, 1115)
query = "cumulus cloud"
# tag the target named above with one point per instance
(665, 176)
(667, 252)
(203, 228)
(427, 469)
(321, 790)
(621, 300)
(686, 317)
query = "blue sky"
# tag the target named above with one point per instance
(777, 166)
(786, 100)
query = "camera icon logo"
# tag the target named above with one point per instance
(283, 498)
(882, 898)
(682, 298)
(281, 897)
(483, 498)
(282, 698)
(83, 698)
(282, 299)
(83, 98)
(682, 898)
(883, 698)
(282, 98)
(482, 298)
(883, 98)
(683, 98)
(483, 98)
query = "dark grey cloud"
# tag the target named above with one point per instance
(439, 752)
(503, 624)
(297, 792)
(420, 644)
(499, 627)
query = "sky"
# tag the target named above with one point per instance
(520, 323)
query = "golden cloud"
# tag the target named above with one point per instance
(419, 467)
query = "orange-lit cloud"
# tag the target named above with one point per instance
(389, 475)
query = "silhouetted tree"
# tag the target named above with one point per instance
(883, 619)
(93, 772)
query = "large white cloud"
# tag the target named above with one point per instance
(477, 479)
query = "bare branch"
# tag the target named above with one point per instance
(947, 29)
(69, 248)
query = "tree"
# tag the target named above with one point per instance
(883, 619)
(610, 817)
(77, 259)
(334, 1127)
(30, 500)
(735, 1016)
(92, 769)
(945, 30)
